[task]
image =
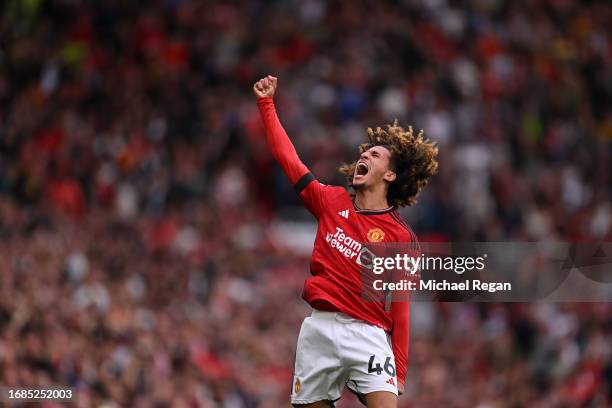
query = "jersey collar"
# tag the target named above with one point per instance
(371, 212)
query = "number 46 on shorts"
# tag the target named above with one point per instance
(374, 366)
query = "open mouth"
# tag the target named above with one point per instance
(361, 169)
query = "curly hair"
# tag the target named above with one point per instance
(413, 159)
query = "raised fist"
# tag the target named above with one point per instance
(265, 87)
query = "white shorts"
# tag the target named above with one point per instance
(334, 349)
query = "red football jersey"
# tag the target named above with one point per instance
(342, 232)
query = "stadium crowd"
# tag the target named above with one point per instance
(138, 199)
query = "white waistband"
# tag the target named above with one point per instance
(342, 317)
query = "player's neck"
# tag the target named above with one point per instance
(367, 199)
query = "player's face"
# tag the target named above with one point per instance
(373, 167)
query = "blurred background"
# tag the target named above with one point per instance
(153, 254)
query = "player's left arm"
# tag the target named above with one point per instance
(400, 313)
(399, 340)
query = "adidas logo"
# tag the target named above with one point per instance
(344, 213)
(390, 381)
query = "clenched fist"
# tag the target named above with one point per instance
(265, 87)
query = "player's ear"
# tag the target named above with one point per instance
(390, 176)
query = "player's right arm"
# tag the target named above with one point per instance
(309, 190)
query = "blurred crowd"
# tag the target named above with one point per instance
(138, 201)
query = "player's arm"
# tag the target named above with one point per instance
(309, 190)
(399, 340)
(400, 313)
